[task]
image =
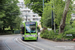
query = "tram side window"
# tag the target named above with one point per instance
(22, 30)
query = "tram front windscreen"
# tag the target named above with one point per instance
(30, 27)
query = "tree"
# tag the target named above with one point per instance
(1, 22)
(1, 13)
(17, 21)
(46, 16)
(11, 11)
(58, 7)
(62, 24)
(58, 10)
(36, 5)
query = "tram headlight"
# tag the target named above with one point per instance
(26, 35)
(34, 35)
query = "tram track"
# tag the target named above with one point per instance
(18, 44)
(3, 44)
(14, 42)
(29, 45)
(10, 46)
(24, 44)
(6, 44)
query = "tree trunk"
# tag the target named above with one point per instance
(3, 29)
(11, 28)
(0, 30)
(62, 24)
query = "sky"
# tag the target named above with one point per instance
(74, 2)
(21, 0)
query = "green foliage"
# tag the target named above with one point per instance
(73, 24)
(9, 11)
(1, 24)
(17, 22)
(59, 37)
(36, 5)
(57, 31)
(48, 35)
(44, 34)
(58, 7)
(67, 27)
(70, 31)
(52, 35)
(58, 10)
(2, 14)
(46, 16)
(70, 11)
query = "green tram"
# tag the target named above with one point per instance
(29, 31)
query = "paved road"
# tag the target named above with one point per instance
(14, 42)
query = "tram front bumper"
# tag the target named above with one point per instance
(30, 38)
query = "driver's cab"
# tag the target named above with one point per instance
(22, 29)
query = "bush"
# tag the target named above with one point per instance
(70, 31)
(51, 35)
(57, 31)
(67, 27)
(48, 35)
(44, 34)
(59, 37)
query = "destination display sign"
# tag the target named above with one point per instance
(30, 23)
